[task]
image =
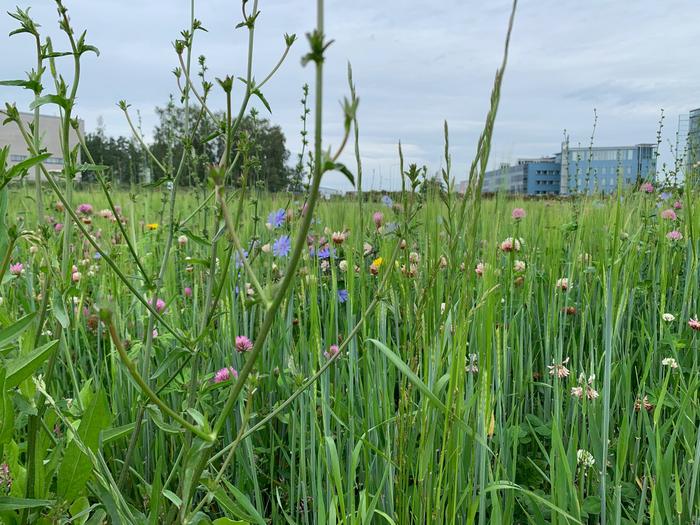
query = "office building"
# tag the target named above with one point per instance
(574, 170)
(50, 131)
(528, 176)
(597, 169)
(693, 147)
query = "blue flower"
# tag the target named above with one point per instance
(386, 200)
(276, 218)
(324, 253)
(282, 246)
(665, 196)
(239, 260)
(97, 256)
(342, 296)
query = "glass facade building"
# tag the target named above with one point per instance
(693, 151)
(575, 170)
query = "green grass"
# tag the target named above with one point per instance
(397, 429)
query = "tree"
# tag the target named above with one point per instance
(125, 159)
(261, 144)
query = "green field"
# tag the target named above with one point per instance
(448, 402)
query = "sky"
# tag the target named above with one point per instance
(415, 64)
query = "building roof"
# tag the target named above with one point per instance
(586, 148)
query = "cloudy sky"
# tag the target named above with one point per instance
(415, 65)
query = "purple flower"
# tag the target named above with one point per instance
(17, 269)
(225, 374)
(188, 291)
(85, 209)
(243, 344)
(674, 235)
(58, 227)
(276, 218)
(342, 296)
(331, 352)
(282, 246)
(160, 305)
(386, 200)
(324, 253)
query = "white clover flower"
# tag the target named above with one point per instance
(670, 362)
(585, 458)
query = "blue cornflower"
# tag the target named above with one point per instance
(282, 246)
(665, 196)
(97, 256)
(276, 218)
(324, 253)
(386, 200)
(342, 296)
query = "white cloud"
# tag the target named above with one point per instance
(414, 64)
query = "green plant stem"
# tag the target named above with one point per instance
(147, 390)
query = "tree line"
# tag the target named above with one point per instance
(260, 143)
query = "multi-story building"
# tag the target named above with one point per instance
(50, 131)
(530, 176)
(574, 170)
(693, 148)
(597, 169)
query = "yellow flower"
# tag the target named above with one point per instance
(152, 226)
(377, 262)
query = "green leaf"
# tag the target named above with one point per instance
(591, 505)
(12, 332)
(113, 434)
(507, 485)
(24, 366)
(413, 378)
(259, 94)
(51, 99)
(229, 521)
(21, 168)
(80, 511)
(329, 165)
(32, 85)
(8, 503)
(58, 309)
(76, 467)
(245, 503)
(7, 413)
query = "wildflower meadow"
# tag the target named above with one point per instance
(225, 355)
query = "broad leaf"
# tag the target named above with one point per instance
(7, 413)
(12, 332)
(76, 467)
(24, 366)
(8, 503)
(50, 99)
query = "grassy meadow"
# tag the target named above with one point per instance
(559, 368)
